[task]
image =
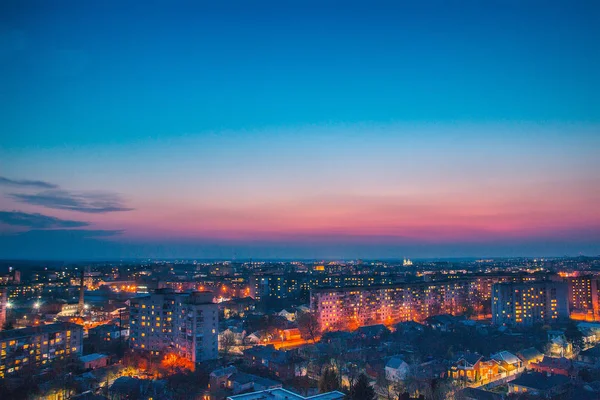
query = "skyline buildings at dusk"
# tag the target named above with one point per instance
(274, 132)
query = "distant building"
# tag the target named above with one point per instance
(3, 307)
(539, 384)
(180, 322)
(583, 298)
(525, 304)
(38, 346)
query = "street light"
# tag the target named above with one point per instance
(36, 305)
(9, 304)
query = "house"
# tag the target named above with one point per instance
(559, 346)
(284, 364)
(371, 331)
(396, 369)
(93, 361)
(538, 384)
(292, 334)
(257, 337)
(553, 365)
(240, 382)
(509, 362)
(473, 367)
(287, 315)
(408, 326)
(529, 356)
(443, 322)
(218, 378)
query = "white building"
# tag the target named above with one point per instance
(396, 369)
(180, 322)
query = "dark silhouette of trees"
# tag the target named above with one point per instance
(308, 324)
(329, 381)
(362, 390)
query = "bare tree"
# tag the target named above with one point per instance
(308, 324)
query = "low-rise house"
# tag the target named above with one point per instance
(218, 378)
(292, 334)
(443, 322)
(284, 364)
(538, 384)
(290, 316)
(396, 369)
(509, 362)
(559, 346)
(371, 331)
(240, 382)
(473, 367)
(93, 361)
(529, 356)
(553, 365)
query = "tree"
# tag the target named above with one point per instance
(362, 389)
(227, 342)
(329, 381)
(308, 324)
(574, 336)
(174, 363)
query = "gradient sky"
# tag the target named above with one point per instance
(299, 129)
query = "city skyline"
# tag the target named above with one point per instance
(386, 131)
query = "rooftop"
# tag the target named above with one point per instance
(92, 357)
(282, 394)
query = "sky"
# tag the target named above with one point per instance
(317, 130)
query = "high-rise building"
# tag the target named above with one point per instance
(185, 323)
(38, 346)
(583, 298)
(529, 303)
(3, 306)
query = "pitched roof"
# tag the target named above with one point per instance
(530, 354)
(539, 381)
(507, 357)
(395, 362)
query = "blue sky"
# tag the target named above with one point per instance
(242, 108)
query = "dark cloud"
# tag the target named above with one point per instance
(37, 221)
(27, 183)
(87, 202)
(59, 244)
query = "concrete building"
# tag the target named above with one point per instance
(3, 307)
(529, 303)
(583, 298)
(38, 346)
(352, 307)
(185, 323)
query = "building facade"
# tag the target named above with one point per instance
(529, 303)
(35, 347)
(583, 298)
(352, 307)
(184, 323)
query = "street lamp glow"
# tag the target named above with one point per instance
(36, 305)
(9, 304)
